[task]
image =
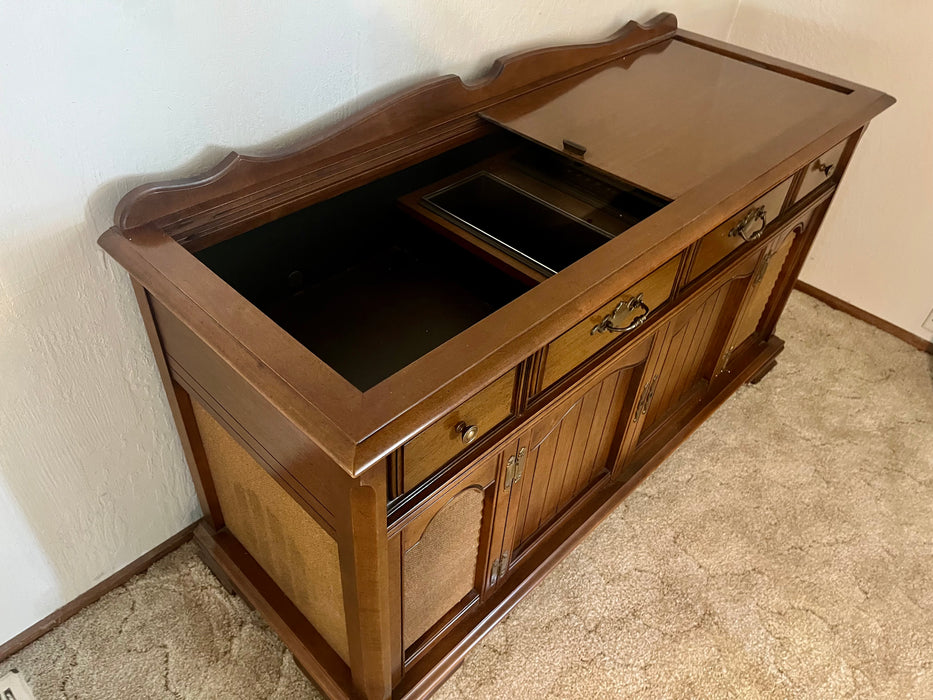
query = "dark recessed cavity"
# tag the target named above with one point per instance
(543, 236)
(369, 286)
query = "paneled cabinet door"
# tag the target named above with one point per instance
(757, 294)
(569, 448)
(447, 551)
(689, 349)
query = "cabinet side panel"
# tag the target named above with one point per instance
(288, 543)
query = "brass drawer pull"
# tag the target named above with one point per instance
(468, 433)
(825, 168)
(608, 323)
(750, 218)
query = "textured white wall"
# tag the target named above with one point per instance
(876, 246)
(96, 95)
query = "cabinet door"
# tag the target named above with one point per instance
(446, 551)
(758, 293)
(690, 348)
(570, 447)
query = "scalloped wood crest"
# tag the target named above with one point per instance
(241, 191)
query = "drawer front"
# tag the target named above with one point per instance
(821, 170)
(580, 342)
(468, 423)
(732, 234)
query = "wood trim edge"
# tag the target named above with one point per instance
(836, 303)
(92, 595)
(439, 101)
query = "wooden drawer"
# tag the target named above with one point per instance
(467, 424)
(728, 236)
(580, 342)
(821, 170)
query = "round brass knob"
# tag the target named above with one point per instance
(468, 433)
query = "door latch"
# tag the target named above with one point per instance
(647, 394)
(514, 469)
(499, 567)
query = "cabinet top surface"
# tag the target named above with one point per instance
(705, 124)
(668, 117)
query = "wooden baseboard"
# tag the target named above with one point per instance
(862, 315)
(46, 624)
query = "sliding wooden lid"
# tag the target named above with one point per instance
(668, 117)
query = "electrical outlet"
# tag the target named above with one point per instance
(13, 687)
(928, 324)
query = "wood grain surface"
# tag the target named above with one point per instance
(358, 429)
(438, 443)
(734, 108)
(578, 343)
(718, 243)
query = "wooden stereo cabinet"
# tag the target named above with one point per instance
(416, 360)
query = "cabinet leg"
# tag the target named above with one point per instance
(364, 569)
(760, 374)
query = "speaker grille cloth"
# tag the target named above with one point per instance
(296, 552)
(439, 569)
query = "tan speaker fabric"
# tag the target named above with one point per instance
(288, 543)
(439, 569)
(761, 293)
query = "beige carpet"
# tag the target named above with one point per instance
(785, 550)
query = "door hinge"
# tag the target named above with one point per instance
(514, 469)
(499, 567)
(763, 268)
(727, 355)
(646, 395)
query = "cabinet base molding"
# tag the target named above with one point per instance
(240, 573)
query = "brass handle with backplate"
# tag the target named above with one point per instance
(607, 325)
(752, 216)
